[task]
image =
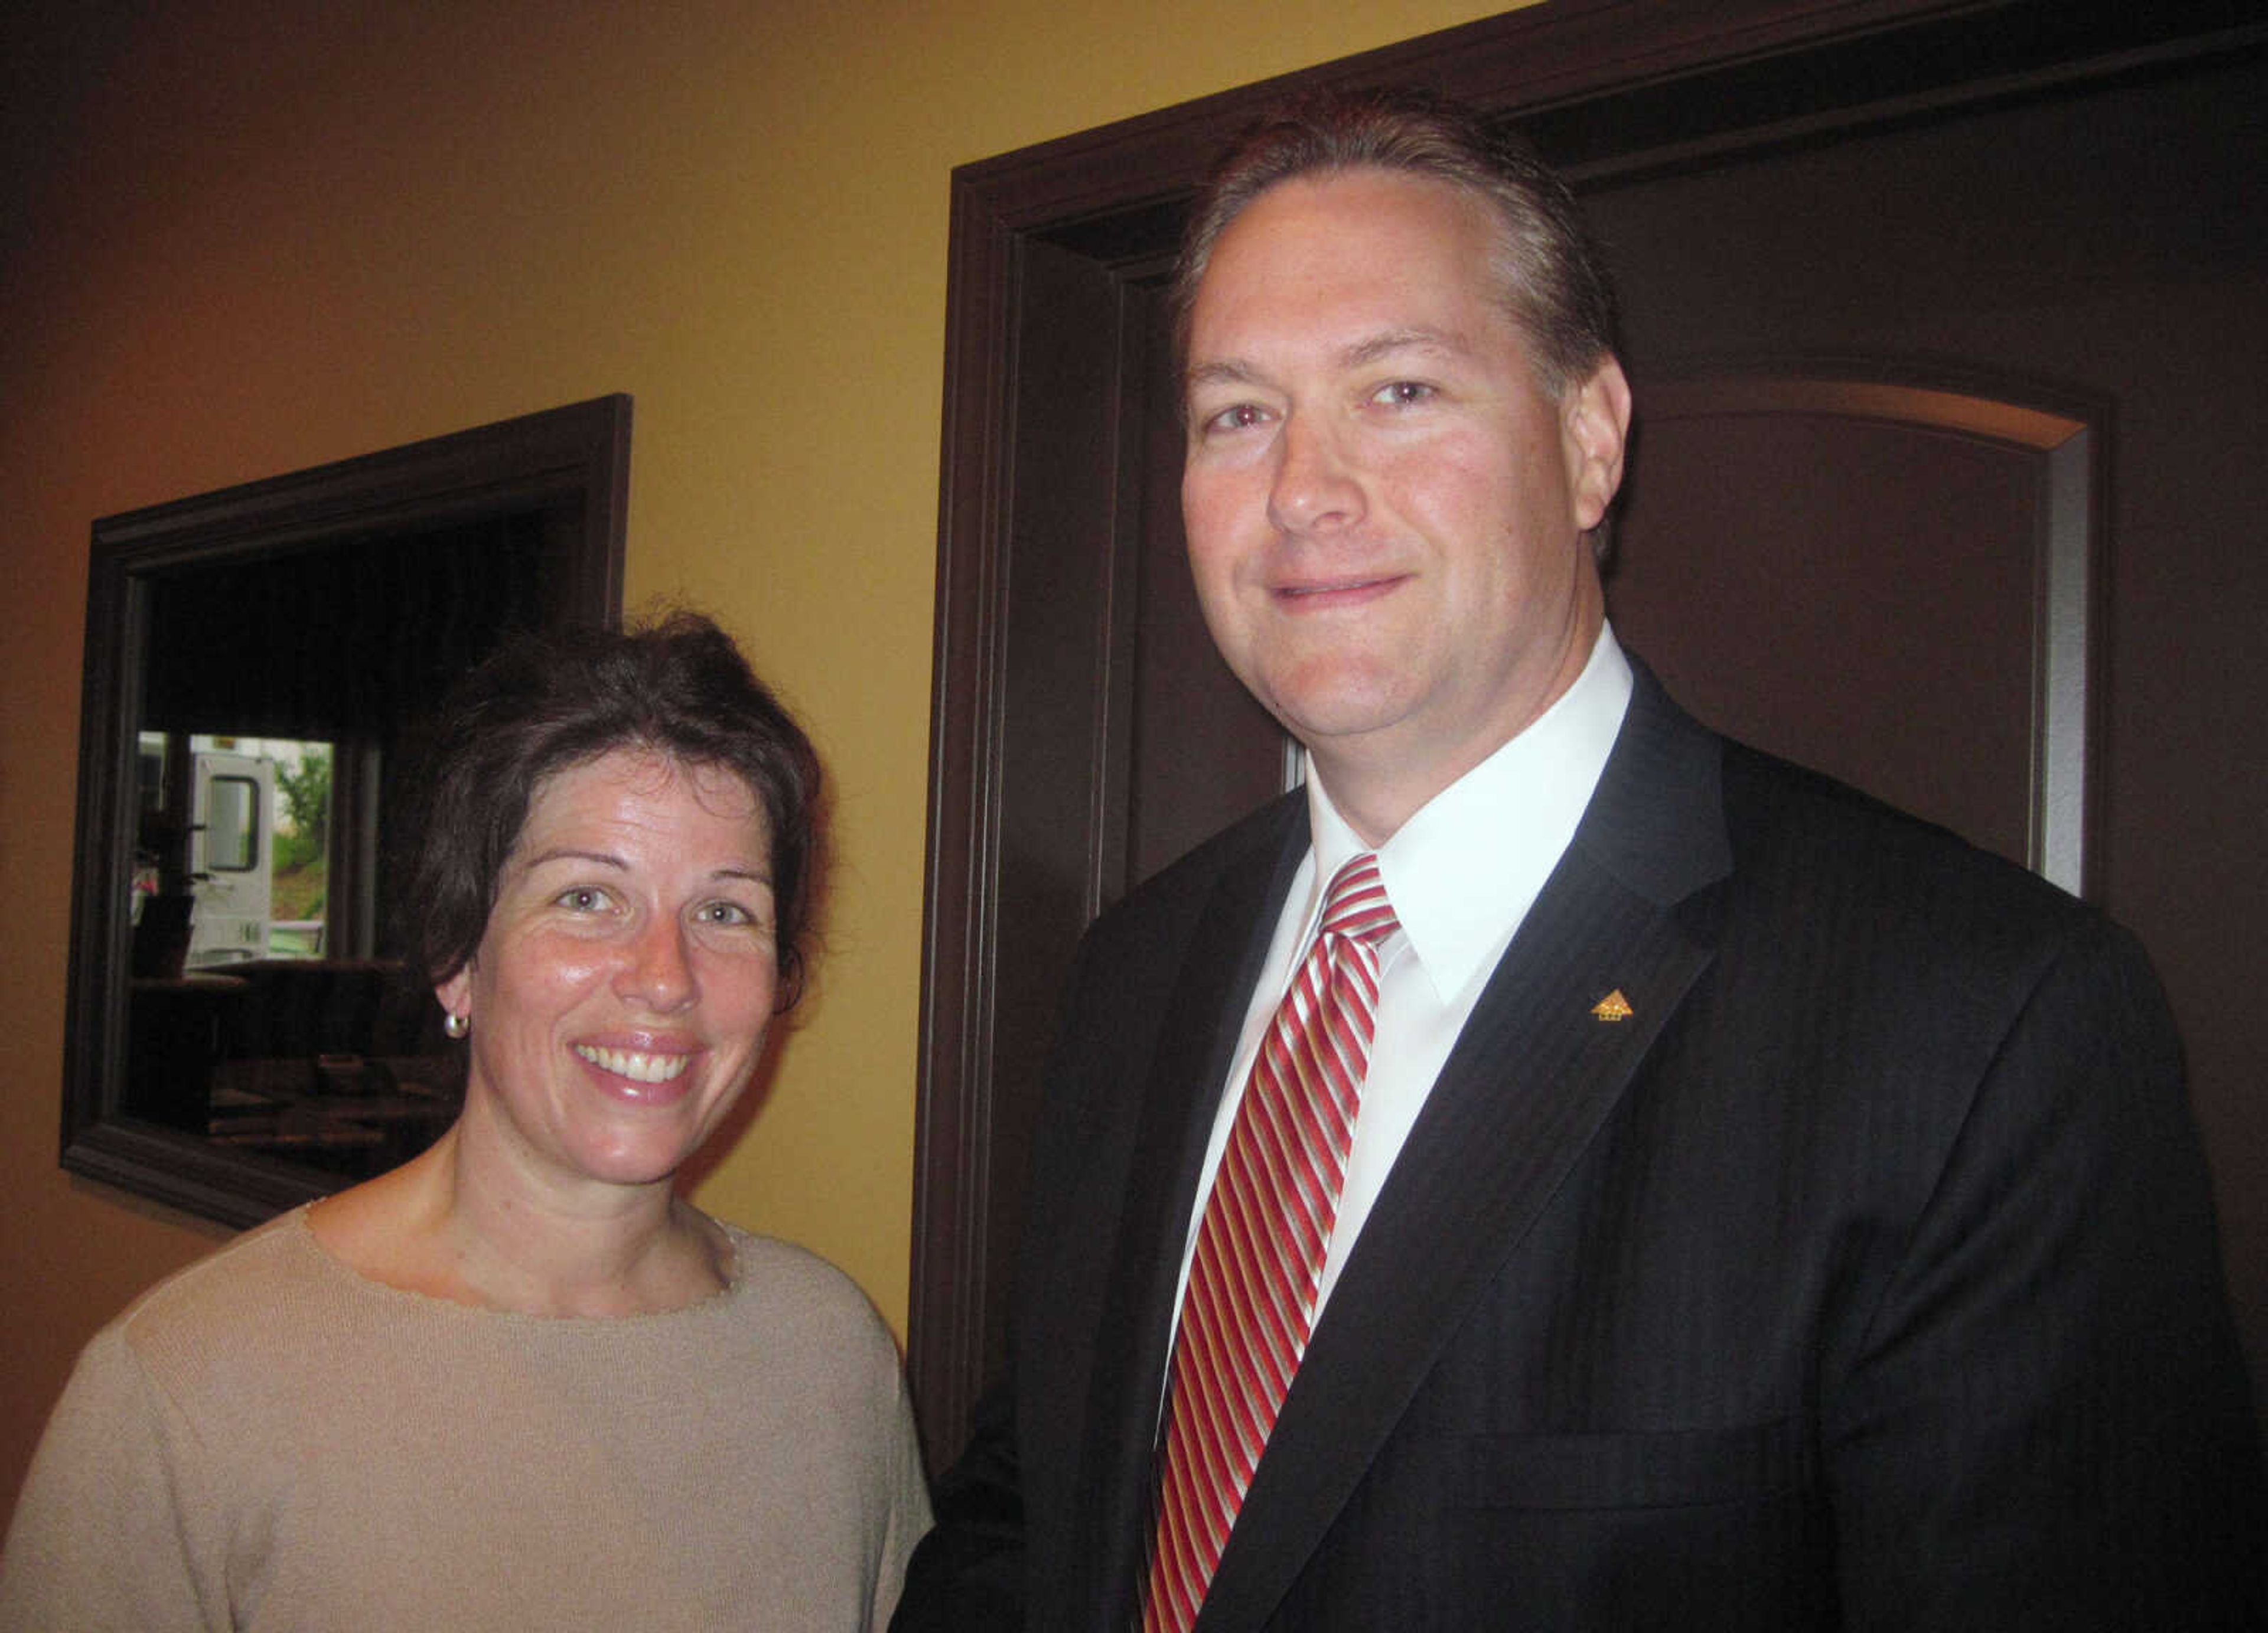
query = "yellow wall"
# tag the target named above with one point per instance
(243, 238)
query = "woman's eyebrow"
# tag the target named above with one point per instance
(569, 853)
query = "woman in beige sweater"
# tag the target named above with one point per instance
(518, 1382)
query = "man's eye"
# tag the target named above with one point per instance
(1403, 393)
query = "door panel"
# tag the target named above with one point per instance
(2113, 243)
(1869, 579)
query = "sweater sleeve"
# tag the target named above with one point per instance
(908, 1518)
(100, 1538)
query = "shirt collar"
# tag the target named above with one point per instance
(1465, 868)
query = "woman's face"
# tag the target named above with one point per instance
(621, 992)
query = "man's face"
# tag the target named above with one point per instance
(1385, 511)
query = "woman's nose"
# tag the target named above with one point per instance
(659, 973)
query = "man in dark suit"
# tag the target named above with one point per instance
(1761, 1209)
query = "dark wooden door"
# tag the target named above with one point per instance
(1946, 332)
(1938, 612)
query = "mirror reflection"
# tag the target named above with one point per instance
(261, 1019)
(259, 662)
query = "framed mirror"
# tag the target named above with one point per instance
(239, 1038)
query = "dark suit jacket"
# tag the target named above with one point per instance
(1865, 1276)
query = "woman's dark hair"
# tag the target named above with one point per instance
(542, 704)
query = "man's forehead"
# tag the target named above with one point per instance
(1348, 200)
(1346, 227)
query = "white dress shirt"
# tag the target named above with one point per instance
(1461, 873)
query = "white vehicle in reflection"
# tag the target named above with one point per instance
(253, 846)
(232, 848)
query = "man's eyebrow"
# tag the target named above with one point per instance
(1446, 342)
(1359, 354)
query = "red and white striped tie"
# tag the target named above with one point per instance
(1251, 1294)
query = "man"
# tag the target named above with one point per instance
(1679, 1192)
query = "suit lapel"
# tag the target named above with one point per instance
(1533, 1076)
(1196, 1037)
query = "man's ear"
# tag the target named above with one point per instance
(1594, 427)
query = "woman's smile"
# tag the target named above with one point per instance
(636, 1064)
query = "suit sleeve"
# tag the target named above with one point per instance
(995, 1546)
(967, 1573)
(2050, 1422)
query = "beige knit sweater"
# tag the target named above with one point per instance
(268, 1440)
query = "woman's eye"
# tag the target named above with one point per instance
(583, 899)
(726, 913)
(1236, 417)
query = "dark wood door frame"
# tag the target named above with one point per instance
(1607, 88)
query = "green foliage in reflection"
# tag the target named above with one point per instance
(306, 792)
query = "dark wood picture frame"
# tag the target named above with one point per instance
(573, 461)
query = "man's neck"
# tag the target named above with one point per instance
(1377, 784)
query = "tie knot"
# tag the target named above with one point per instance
(1356, 904)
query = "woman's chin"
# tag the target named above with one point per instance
(632, 1167)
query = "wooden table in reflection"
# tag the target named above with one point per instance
(347, 1115)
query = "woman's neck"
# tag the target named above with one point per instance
(465, 1222)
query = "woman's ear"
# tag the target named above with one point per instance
(456, 993)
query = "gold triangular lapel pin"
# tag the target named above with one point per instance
(1612, 1007)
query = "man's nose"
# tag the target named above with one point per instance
(657, 975)
(1315, 488)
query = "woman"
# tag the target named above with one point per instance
(518, 1382)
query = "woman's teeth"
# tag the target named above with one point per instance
(635, 1065)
